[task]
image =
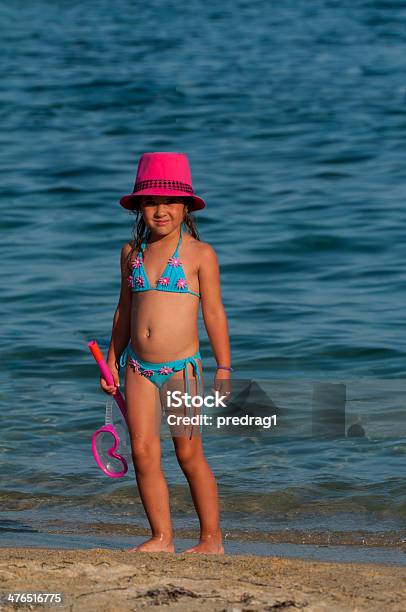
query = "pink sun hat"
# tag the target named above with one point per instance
(162, 174)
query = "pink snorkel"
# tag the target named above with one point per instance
(109, 461)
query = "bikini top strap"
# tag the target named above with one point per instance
(179, 242)
(145, 240)
(144, 243)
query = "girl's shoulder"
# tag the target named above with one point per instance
(126, 251)
(203, 252)
(128, 254)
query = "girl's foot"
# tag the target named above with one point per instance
(209, 545)
(154, 545)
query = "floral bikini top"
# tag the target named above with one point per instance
(172, 279)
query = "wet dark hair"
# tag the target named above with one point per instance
(140, 231)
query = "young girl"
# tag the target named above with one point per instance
(165, 272)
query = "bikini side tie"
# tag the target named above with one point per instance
(196, 371)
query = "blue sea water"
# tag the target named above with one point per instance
(293, 115)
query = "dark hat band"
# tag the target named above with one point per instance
(165, 183)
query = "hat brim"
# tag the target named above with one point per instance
(131, 202)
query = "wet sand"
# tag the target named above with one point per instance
(106, 580)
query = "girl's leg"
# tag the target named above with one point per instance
(144, 414)
(203, 486)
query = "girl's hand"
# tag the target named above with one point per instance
(222, 383)
(110, 389)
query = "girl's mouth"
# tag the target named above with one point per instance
(161, 222)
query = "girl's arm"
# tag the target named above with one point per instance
(214, 316)
(121, 331)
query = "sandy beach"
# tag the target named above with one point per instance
(106, 580)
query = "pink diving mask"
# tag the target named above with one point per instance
(110, 444)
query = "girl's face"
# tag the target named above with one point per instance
(162, 214)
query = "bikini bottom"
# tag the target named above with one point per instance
(160, 373)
